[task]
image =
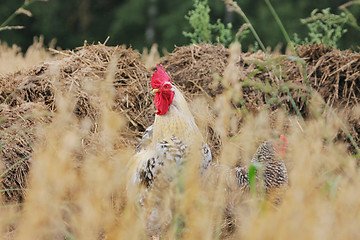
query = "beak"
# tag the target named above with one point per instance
(155, 90)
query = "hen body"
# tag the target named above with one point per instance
(271, 178)
(271, 171)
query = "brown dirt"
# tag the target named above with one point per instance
(196, 69)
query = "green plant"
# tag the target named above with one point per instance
(243, 32)
(324, 27)
(203, 30)
(21, 10)
(351, 18)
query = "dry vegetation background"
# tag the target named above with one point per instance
(70, 120)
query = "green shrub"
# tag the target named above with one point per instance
(203, 30)
(324, 27)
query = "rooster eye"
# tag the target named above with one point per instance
(166, 86)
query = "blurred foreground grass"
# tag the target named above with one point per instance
(76, 194)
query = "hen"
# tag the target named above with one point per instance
(271, 179)
(163, 151)
(273, 170)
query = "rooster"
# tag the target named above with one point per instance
(164, 149)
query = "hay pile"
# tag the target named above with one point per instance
(17, 134)
(196, 69)
(79, 73)
(332, 73)
(192, 68)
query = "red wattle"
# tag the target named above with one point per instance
(161, 104)
(162, 101)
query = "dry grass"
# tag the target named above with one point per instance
(12, 59)
(76, 187)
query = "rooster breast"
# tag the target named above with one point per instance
(170, 152)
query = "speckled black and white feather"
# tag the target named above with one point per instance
(273, 170)
(173, 150)
(146, 139)
(273, 167)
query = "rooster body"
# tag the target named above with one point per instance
(171, 137)
(162, 152)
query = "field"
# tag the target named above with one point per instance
(70, 121)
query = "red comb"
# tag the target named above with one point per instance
(281, 148)
(159, 77)
(286, 142)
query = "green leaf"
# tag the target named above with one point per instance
(252, 176)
